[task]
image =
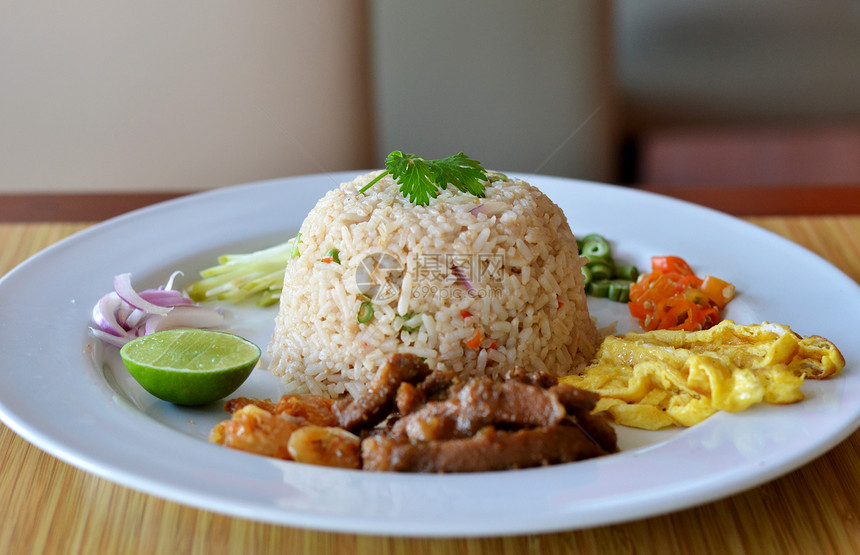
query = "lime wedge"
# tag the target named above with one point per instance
(190, 366)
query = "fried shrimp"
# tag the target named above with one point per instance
(256, 430)
(265, 427)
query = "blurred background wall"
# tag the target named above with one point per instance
(738, 91)
(177, 96)
(519, 85)
(181, 96)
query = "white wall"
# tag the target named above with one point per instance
(164, 95)
(519, 85)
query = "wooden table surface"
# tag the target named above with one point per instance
(48, 506)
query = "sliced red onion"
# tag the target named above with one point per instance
(135, 318)
(169, 284)
(105, 315)
(109, 338)
(185, 317)
(124, 314)
(490, 208)
(165, 297)
(461, 277)
(123, 287)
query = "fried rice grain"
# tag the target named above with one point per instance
(473, 286)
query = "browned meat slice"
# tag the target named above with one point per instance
(483, 402)
(579, 404)
(540, 379)
(438, 383)
(378, 401)
(414, 420)
(600, 430)
(575, 399)
(489, 449)
(478, 403)
(431, 428)
(409, 397)
(436, 420)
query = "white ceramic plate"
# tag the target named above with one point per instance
(94, 416)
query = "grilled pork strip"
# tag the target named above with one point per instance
(489, 449)
(378, 401)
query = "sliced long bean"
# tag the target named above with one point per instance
(602, 277)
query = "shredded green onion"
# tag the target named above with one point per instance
(269, 297)
(238, 277)
(407, 320)
(334, 254)
(365, 312)
(298, 240)
(493, 176)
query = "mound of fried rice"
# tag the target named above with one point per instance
(476, 286)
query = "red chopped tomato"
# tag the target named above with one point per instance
(671, 264)
(672, 297)
(475, 342)
(719, 291)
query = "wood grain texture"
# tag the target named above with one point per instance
(90, 207)
(738, 200)
(48, 506)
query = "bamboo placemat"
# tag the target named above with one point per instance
(48, 506)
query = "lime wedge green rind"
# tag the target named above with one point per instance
(190, 366)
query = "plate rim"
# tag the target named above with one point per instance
(85, 461)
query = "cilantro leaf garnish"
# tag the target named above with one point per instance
(420, 179)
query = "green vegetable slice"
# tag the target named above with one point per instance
(365, 312)
(411, 322)
(600, 270)
(190, 366)
(598, 288)
(602, 277)
(296, 241)
(334, 254)
(595, 247)
(586, 275)
(619, 291)
(629, 273)
(238, 277)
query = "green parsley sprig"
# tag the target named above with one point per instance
(420, 179)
